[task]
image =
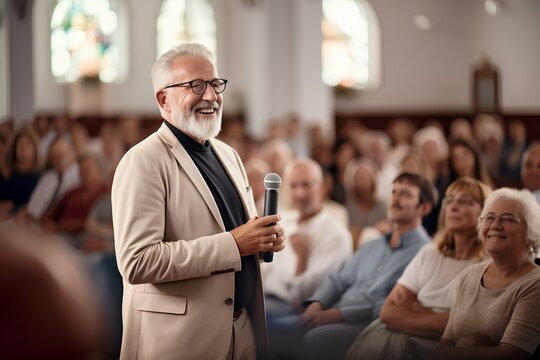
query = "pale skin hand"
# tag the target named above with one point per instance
(315, 316)
(257, 236)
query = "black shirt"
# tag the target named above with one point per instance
(229, 205)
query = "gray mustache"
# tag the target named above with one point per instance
(206, 104)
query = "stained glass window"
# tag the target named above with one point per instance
(82, 40)
(186, 21)
(347, 45)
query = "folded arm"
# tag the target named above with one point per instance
(402, 312)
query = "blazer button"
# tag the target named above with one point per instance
(228, 301)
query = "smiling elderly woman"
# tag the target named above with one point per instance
(496, 312)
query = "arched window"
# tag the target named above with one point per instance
(350, 44)
(82, 40)
(186, 21)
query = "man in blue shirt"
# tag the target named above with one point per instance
(350, 297)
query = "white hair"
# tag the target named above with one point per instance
(431, 133)
(161, 70)
(529, 208)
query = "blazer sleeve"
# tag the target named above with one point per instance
(139, 197)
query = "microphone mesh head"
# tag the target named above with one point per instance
(272, 181)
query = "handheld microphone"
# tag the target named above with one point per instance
(272, 182)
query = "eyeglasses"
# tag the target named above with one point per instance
(198, 86)
(505, 219)
(462, 201)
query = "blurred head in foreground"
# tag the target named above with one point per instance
(47, 308)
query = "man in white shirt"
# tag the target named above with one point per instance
(316, 243)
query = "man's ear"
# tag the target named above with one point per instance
(426, 209)
(161, 98)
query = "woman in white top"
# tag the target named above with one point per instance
(415, 313)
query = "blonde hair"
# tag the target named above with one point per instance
(445, 238)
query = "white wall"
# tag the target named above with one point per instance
(271, 54)
(432, 70)
(49, 96)
(134, 95)
(512, 41)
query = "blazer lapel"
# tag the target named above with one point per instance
(191, 170)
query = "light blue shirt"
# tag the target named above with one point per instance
(360, 286)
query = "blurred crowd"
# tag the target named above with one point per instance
(56, 178)
(55, 175)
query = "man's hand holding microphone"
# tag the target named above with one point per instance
(263, 234)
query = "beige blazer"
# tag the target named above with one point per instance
(176, 260)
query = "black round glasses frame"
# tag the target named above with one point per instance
(198, 86)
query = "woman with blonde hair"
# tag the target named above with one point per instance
(415, 312)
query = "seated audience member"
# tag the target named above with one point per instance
(416, 163)
(338, 210)
(465, 160)
(130, 131)
(377, 148)
(350, 297)
(59, 128)
(99, 226)
(21, 172)
(514, 147)
(277, 154)
(111, 147)
(418, 305)
(461, 128)
(400, 131)
(431, 142)
(495, 312)
(68, 216)
(50, 310)
(343, 152)
(81, 140)
(365, 209)
(530, 170)
(316, 242)
(63, 176)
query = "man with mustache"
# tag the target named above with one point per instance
(188, 254)
(350, 297)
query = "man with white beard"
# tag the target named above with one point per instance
(186, 233)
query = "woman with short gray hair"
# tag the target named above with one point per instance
(495, 313)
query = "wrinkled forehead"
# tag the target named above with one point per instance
(504, 205)
(186, 68)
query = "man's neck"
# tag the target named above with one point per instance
(464, 246)
(305, 216)
(398, 230)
